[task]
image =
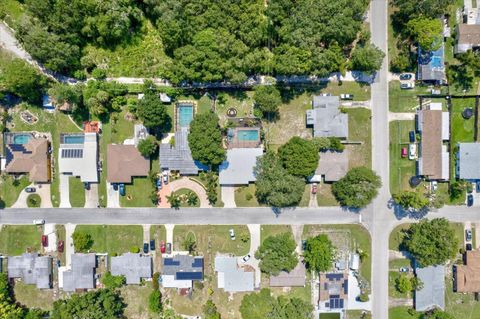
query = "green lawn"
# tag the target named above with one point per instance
(158, 233)
(401, 169)
(402, 313)
(113, 239)
(404, 100)
(325, 196)
(12, 10)
(183, 196)
(360, 91)
(15, 240)
(272, 230)
(61, 234)
(460, 305)
(305, 201)
(136, 298)
(351, 237)
(31, 297)
(355, 314)
(10, 189)
(138, 193)
(360, 130)
(392, 290)
(396, 237)
(77, 192)
(399, 263)
(329, 316)
(34, 200)
(245, 196)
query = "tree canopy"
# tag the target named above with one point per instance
(205, 139)
(358, 188)
(319, 253)
(299, 156)
(148, 146)
(267, 98)
(153, 113)
(367, 58)
(277, 253)
(411, 200)
(82, 241)
(210, 310)
(431, 242)
(427, 32)
(275, 186)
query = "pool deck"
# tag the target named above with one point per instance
(236, 143)
(176, 119)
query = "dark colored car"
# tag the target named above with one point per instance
(468, 234)
(145, 248)
(478, 187)
(411, 136)
(115, 187)
(44, 240)
(162, 247)
(169, 248)
(60, 246)
(121, 189)
(470, 200)
(30, 189)
(468, 246)
(152, 244)
(304, 244)
(405, 76)
(86, 185)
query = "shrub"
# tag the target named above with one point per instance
(155, 301)
(134, 249)
(363, 297)
(112, 282)
(82, 241)
(155, 278)
(99, 74)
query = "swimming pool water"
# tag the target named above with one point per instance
(73, 139)
(21, 139)
(247, 135)
(185, 114)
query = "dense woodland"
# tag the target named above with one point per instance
(206, 40)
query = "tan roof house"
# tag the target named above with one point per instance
(31, 158)
(468, 37)
(467, 277)
(332, 166)
(124, 163)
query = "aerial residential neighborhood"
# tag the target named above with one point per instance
(240, 159)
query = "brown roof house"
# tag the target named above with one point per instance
(29, 157)
(294, 278)
(466, 278)
(468, 38)
(433, 126)
(124, 163)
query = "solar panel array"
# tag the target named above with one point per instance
(189, 275)
(336, 303)
(72, 153)
(334, 276)
(171, 262)
(197, 262)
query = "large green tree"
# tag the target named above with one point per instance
(267, 98)
(427, 32)
(274, 185)
(367, 58)
(291, 308)
(205, 139)
(153, 113)
(411, 200)
(82, 241)
(431, 242)
(277, 253)
(358, 188)
(299, 156)
(148, 146)
(64, 93)
(319, 253)
(210, 310)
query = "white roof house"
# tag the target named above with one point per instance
(133, 266)
(78, 156)
(326, 117)
(232, 278)
(238, 168)
(432, 295)
(468, 159)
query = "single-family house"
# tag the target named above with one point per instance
(32, 269)
(176, 155)
(180, 271)
(231, 277)
(431, 66)
(333, 291)
(466, 277)
(125, 162)
(133, 266)
(78, 156)
(238, 168)
(26, 154)
(326, 117)
(295, 278)
(468, 38)
(80, 275)
(433, 158)
(332, 166)
(468, 159)
(432, 294)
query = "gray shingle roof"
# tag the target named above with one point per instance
(32, 269)
(332, 165)
(237, 169)
(230, 277)
(133, 266)
(179, 158)
(469, 157)
(182, 264)
(433, 292)
(326, 118)
(81, 275)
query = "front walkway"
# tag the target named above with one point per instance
(228, 196)
(65, 191)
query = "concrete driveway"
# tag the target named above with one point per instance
(65, 191)
(69, 248)
(113, 197)
(185, 182)
(42, 190)
(21, 200)
(49, 231)
(255, 242)
(228, 196)
(91, 196)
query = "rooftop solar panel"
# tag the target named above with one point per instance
(198, 262)
(345, 287)
(171, 262)
(189, 275)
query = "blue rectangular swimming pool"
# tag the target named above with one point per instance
(247, 135)
(185, 114)
(21, 138)
(73, 139)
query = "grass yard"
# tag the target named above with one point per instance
(305, 201)
(77, 192)
(460, 305)
(402, 313)
(272, 230)
(16, 240)
(325, 196)
(34, 200)
(245, 196)
(11, 11)
(392, 290)
(61, 234)
(360, 91)
(158, 233)
(31, 297)
(113, 239)
(360, 130)
(355, 314)
(138, 193)
(396, 237)
(136, 298)
(242, 101)
(404, 100)
(461, 130)
(10, 189)
(347, 237)
(399, 263)
(182, 193)
(401, 169)
(329, 316)
(459, 233)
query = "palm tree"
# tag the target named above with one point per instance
(174, 200)
(192, 198)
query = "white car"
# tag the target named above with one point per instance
(408, 85)
(412, 151)
(246, 258)
(434, 186)
(232, 233)
(39, 221)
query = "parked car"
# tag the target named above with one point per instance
(60, 246)
(478, 187)
(86, 185)
(30, 189)
(404, 269)
(121, 189)
(44, 240)
(468, 246)
(470, 200)
(165, 177)
(152, 244)
(411, 136)
(325, 94)
(407, 86)
(159, 184)
(115, 187)
(468, 234)
(304, 244)
(434, 186)
(314, 188)
(404, 152)
(405, 76)
(39, 221)
(145, 248)
(412, 151)
(232, 233)
(246, 258)
(162, 247)
(346, 96)
(169, 248)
